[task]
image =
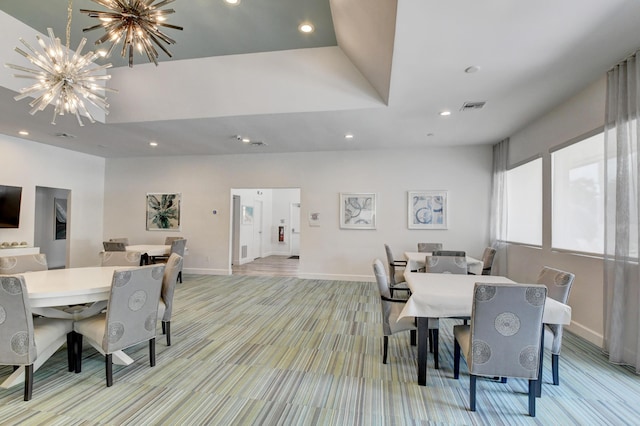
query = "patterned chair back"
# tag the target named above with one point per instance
(120, 258)
(178, 246)
(169, 240)
(169, 280)
(558, 285)
(383, 288)
(25, 263)
(124, 240)
(446, 264)
(113, 246)
(16, 327)
(487, 260)
(132, 310)
(506, 322)
(429, 247)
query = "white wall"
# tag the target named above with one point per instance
(575, 117)
(326, 251)
(29, 164)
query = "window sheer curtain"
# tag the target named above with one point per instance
(621, 277)
(498, 213)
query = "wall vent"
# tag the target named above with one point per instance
(65, 135)
(244, 251)
(257, 144)
(468, 106)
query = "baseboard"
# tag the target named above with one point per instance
(586, 333)
(335, 277)
(201, 271)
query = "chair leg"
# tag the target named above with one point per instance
(71, 348)
(533, 388)
(385, 346)
(180, 277)
(152, 352)
(28, 382)
(555, 360)
(164, 329)
(431, 340)
(412, 334)
(77, 352)
(108, 365)
(391, 292)
(456, 359)
(472, 392)
(167, 327)
(436, 363)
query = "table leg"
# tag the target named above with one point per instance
(423, 332)
(539, 383)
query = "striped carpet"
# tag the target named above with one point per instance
(270, 350)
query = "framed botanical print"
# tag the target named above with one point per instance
(163, 212)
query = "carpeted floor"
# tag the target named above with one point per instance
(269, 350)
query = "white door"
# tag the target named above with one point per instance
(257, 228)
(295, 229)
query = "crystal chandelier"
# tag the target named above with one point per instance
(136, 23)
(65, 78)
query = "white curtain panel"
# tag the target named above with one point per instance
(498, 221)
(621, 276)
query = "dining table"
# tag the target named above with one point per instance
(149, 251)
(436, 295)
(416, 260)
(72, 293)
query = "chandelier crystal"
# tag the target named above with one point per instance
(65, 78)
(136, 23)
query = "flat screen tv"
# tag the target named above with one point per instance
(10, 197)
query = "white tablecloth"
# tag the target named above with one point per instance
(416, 260)
(451, 295)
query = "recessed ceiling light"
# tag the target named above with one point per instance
(232, 2)
(153, 143)
(246, 140)
(348, 136)
(306, 27)
(445, 113)
(23, 133)
(472, 69)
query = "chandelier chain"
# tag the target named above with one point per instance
(69, 14)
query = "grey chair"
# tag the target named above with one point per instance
(130, 318)
(169, 280)
(169, 240)
(114, 246)
(24, 263)
(446, 263)
(396, 272)
(123, 240)
(503, 339)
(558, 285)
(121, 258)
(28, 341)
(488, 256)
(429, 247)
(391, 309)
(178, 247)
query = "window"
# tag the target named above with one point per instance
(578, 184)
(524, 203)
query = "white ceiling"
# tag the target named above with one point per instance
(382, 72)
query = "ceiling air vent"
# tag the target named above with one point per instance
(257, 144)
(65, 135)
(468, 106)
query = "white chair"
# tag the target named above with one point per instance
(396, 272)
(26, 340)
(130, 318)
(10, 265)
(120, 258)
(429, 247)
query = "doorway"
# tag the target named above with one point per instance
(52, 225)
(295, 230)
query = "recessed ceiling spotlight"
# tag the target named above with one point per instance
(445, 113)
(348, 136)
(23, 133)
(472, 69)
(306, 27)
(232, 2)
(246, 140)
(153, 143)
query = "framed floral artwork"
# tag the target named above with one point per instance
(427, 210)
(163, 211)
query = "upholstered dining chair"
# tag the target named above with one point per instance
(10, 265)
(503, 339)
(429, 247)
(169, 240)
(121, 258)
(130, 318)
(396, 272)
(178, 247)
(488, 256)
(114, 246)
(446, 262)
(558, 285)
(391, 309)
(123, 240)
(28, 341)
(169, 280)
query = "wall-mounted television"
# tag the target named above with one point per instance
(10, 198)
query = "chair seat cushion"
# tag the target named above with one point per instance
(48, 330)
(462, 333)
(92, 328)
